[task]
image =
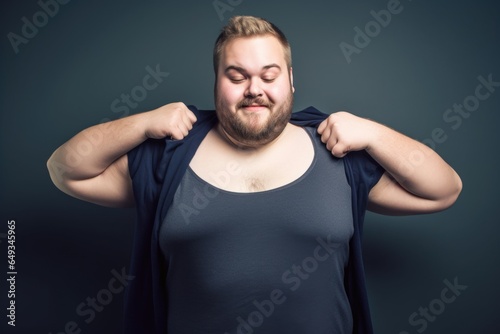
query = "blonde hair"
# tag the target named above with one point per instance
(248, 26)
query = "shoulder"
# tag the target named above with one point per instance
(361, 168)
(202, 114)
(152, 152)
(309, 116)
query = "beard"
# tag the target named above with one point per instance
(247, 130)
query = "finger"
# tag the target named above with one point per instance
(187, 122)
(184, 129)
(176, 134)
(179, 132)
(191, 116)
(330, 142)
(328, 136)
(189, 119)
(339, 150)
(322, 126)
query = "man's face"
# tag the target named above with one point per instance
(254, 90)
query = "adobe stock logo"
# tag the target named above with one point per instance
(454, 117)
(221, 7)
(89, 308)
(29, 29)
(293, 277)
(429, 313)
(459, 112)
(372, 29)
(130, 100)
(138, 93)
(201, 198)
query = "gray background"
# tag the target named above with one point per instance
(426, 59)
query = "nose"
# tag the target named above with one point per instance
(253, 88)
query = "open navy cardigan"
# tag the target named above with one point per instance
(157, 167)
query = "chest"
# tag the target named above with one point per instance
(316, 205)
(303, 187)
(245, 171)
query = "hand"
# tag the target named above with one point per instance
(174, 119)
(343, 132)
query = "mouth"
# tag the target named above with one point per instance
(255, 107)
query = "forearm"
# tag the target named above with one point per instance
(93, 165)
(416, 167)
(91, 151)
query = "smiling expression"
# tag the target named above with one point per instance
(253, 90)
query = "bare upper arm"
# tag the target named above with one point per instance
(390, 198)
(113, 187)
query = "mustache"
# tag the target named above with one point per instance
(256, 101)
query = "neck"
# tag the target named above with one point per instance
(247, 145)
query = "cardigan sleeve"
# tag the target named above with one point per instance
(144, 161)
(362, 173)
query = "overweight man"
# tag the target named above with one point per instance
(250, 216)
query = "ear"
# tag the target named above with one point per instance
(291, 80)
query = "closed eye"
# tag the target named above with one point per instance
(237, 79)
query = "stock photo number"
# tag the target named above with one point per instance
(11, 272)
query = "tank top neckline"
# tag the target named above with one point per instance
(279, 188)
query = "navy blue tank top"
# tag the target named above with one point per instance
(263, 262)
